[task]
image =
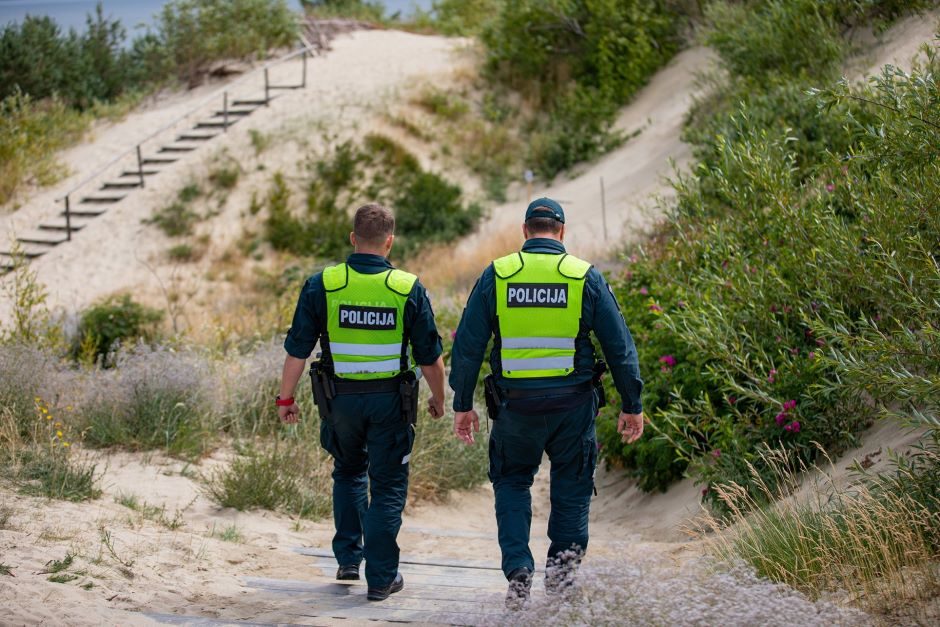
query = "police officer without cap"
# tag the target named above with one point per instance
(542, 304)
(365, 315)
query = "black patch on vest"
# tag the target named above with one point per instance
(371, 318)
(537, 295)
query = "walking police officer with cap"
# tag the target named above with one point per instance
(541, 304)
(366, 315)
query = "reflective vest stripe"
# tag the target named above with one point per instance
(365, 350)
(538, 363)
(565, 343)
(367, 367)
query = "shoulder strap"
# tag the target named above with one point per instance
(335, 277)
(509, 265)
(400, 281)
(573, 268)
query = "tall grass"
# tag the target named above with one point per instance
(874, 543)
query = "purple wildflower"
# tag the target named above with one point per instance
(789, 405)
(793, 427)
(780, 418)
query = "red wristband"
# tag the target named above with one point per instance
(284, 402)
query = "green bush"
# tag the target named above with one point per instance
(775, 38)
(30, 134)
(428, 208)
(113, 321)
(794, 286)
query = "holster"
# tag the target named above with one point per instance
(324, 390)
(492, 396)
(600, 367)
(408, 388)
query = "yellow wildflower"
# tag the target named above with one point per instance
(44, 410)
(58, 434)
(65, 444)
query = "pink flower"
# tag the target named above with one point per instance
(655, 308)
(705, 491)
(830, 187)
(812, 355)
(793, 427)
(794, 351)
(773, 309)
(789, 405)
(634, 258)
(716, 453)
(772, 376)
(644, 291)
(669, 360)
(781, 418)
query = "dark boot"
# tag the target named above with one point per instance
(380, 594)
(348, 573)
(520, 587)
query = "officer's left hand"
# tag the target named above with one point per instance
(463, 420)
(436, 407)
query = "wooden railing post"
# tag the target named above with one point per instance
(303, 78)
(267, 88)
(225, 112)
(68, 219)
(140, 166)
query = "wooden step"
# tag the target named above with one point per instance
(47, 226)
(102, 200)
(213, 124)
(28, 254)
(39, 241)
(234, 113)
(121, 184)
(196, 137)
(136, 173)
(85, 213)
(159, 160)
(177, 149)
(250, 102)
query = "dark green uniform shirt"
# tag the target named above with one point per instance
(310, 316)
(600, 313)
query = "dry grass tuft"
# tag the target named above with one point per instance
(870, 541)
(443, 272)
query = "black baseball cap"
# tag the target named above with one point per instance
(545, 208)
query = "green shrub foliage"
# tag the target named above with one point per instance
(428, 208)
(115, 320)
(792, 296)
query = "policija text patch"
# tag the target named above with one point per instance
(371, 318)
(537, 295)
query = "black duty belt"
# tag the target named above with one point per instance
(580, 388)
(371, 386)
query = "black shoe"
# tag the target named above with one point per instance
(380, 594)
(348, 573)
(520, 587)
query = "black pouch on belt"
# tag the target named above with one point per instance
(321, 376)
(408, 388)
(492, 396)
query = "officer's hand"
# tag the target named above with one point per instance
(463, 420)
(289, 415)
(436, 407)
(630, 426)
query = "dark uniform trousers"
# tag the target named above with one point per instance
(517, 442)
(370, 445)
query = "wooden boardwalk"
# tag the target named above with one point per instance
(437, 592)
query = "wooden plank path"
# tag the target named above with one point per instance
(437, 592)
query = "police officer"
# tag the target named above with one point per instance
(541, 304)
(365, 314)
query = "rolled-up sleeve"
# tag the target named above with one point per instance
(473, 335)
(308, 321)
(617, 343)
(419, 316)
